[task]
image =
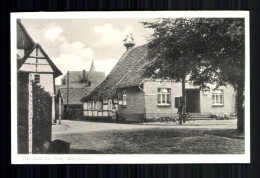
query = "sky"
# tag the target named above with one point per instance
(72, 44)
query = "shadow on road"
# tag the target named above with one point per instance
(228, 133)
(84, 151)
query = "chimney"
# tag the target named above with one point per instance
(84, 74)
(129, 41)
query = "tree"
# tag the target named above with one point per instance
(207, 50)
(174, 50)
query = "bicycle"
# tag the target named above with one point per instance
(184, 118)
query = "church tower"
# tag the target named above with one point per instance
(92, 68)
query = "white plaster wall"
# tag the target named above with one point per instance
(46, 81)
(151, 100)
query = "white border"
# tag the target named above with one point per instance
(126, 158)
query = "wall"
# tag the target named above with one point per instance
(135, 107)
(151, 100)
(229, 102)
(46, 81)
(22, 114)
(104, 114)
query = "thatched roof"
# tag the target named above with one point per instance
(126, 73)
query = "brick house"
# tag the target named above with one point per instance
(74, 86)
(135, 98)
(32, 61)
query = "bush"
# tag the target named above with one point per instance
(224, 117)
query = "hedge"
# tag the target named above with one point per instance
(41, 122)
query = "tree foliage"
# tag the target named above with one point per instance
(201, 50)
(210, 50)
(174, 48)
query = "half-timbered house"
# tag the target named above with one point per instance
(74, 86)
(34, 63)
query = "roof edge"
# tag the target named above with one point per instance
(24, 29)
(56, 70)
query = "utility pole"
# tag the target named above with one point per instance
(68, 80)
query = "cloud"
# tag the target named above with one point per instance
(108, 35)
(53, 33)
(77, 48)
(73, 56)
(70, 61)
(77, 45)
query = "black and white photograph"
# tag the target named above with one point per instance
(130, 87)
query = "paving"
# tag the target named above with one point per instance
(201, 137)
(68, 126)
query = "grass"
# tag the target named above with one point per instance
(156, 141)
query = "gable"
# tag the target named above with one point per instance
(41, 65)
(36, 61)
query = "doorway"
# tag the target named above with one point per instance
(193, 100)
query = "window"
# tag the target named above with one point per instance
(164, 95)
(37, 78)
(217, 97)
(110, 105)
(124, 97)
(92, 105)
(99, 106)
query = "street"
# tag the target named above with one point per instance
(201, 137)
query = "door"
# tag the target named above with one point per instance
(193, 100)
